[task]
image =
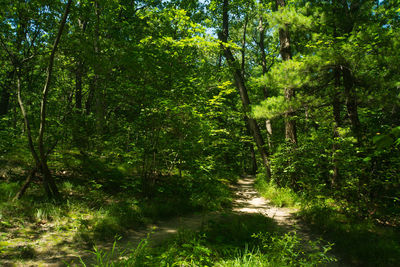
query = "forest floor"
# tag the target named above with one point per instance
(53, 248)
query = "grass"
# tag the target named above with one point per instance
(359, 241)
(281, 197)
(232, 240)
(96, 206)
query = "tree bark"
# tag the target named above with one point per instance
(286, 54)
(98, 93)
(251, 147)
(26, 122)
(261, 44)
(78, 85)
(351, 102)
(26, 184)
(38, 164)
(244, 47)
(47, 178)
(243, 52)
(79, 71)
(240, 84)
(338, 123)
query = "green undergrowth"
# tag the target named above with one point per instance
(359, 240)
(96, 205)
(281, 197)
(232, 240)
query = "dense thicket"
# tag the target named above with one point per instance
(157, 89)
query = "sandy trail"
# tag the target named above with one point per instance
(247, 201)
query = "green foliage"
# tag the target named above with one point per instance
(144, 120)
(288, 250)
(187, 249)
(279, 196)
(236, 240)
(359, 242)
(386, 140)
(137, 256)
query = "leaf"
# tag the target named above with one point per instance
(6, 223)
(382, 141)
(396, 131)
(397, 142)
(367, 159)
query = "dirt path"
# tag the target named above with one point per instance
(247, 201)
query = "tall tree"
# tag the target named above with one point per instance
(15, 58)
(286, 54)
(265, 69)
(241, 86)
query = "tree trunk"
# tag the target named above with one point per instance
(351, 102)
(26, 122)
(338, 123)
(98, 93)
(244, 46)
(78, 85)
(240, 84)
(79, 71)
(286, 54)
(261, 44)
(253, 159)
(26, 184)
(251, 148)
(48, 180)
(38, 163)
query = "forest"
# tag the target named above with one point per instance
(166, 133)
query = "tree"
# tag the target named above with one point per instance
(240, 84)
(286, 54)
(41, 157)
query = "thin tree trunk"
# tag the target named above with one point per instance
(47, 178)
(338, 123)
(79, 72)
(244, 46)
(98, 94)
(243, 53)
(240, 84)
(253, 160)
(78, 85)
(268, 124)
(251, 147)
(30, 143)
(89, 100)
(286, 54)
(25, 186)
(26, 122)
(351, 102)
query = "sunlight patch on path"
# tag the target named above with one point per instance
(249, 201)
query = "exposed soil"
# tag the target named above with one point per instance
(247, 201)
